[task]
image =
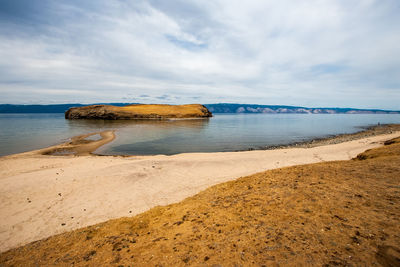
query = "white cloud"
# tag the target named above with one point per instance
(312, 53)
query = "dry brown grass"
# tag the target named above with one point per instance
(164, 110)
(336, 213)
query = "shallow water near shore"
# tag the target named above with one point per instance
(223, 132)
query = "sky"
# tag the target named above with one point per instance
(313, 53)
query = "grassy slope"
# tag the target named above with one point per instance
(336, 213)
(164, 110)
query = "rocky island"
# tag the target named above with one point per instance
(138, 111)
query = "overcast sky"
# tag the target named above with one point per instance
(339, 53)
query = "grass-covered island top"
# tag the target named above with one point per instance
(138, 111)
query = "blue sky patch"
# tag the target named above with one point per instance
(185, 44)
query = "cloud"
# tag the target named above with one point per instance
(163, 97)
(309, 53)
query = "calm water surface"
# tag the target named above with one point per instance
(223, 132)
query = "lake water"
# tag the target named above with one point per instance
(223, 132)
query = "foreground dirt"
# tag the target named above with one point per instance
(336, 213)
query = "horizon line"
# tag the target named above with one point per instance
(220, 103)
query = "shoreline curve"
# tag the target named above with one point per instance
(81, 146)
(44, 195)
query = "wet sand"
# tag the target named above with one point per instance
(42, 195)
(364, 132)
(80, 145)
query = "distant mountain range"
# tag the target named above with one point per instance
(214, 108)
(58, 108)
(248, 108)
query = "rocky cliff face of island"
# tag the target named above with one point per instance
(108, 112)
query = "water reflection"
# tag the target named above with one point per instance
(223, 132)
(196, 124)
(145, 136)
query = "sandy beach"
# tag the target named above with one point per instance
(43, 195)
